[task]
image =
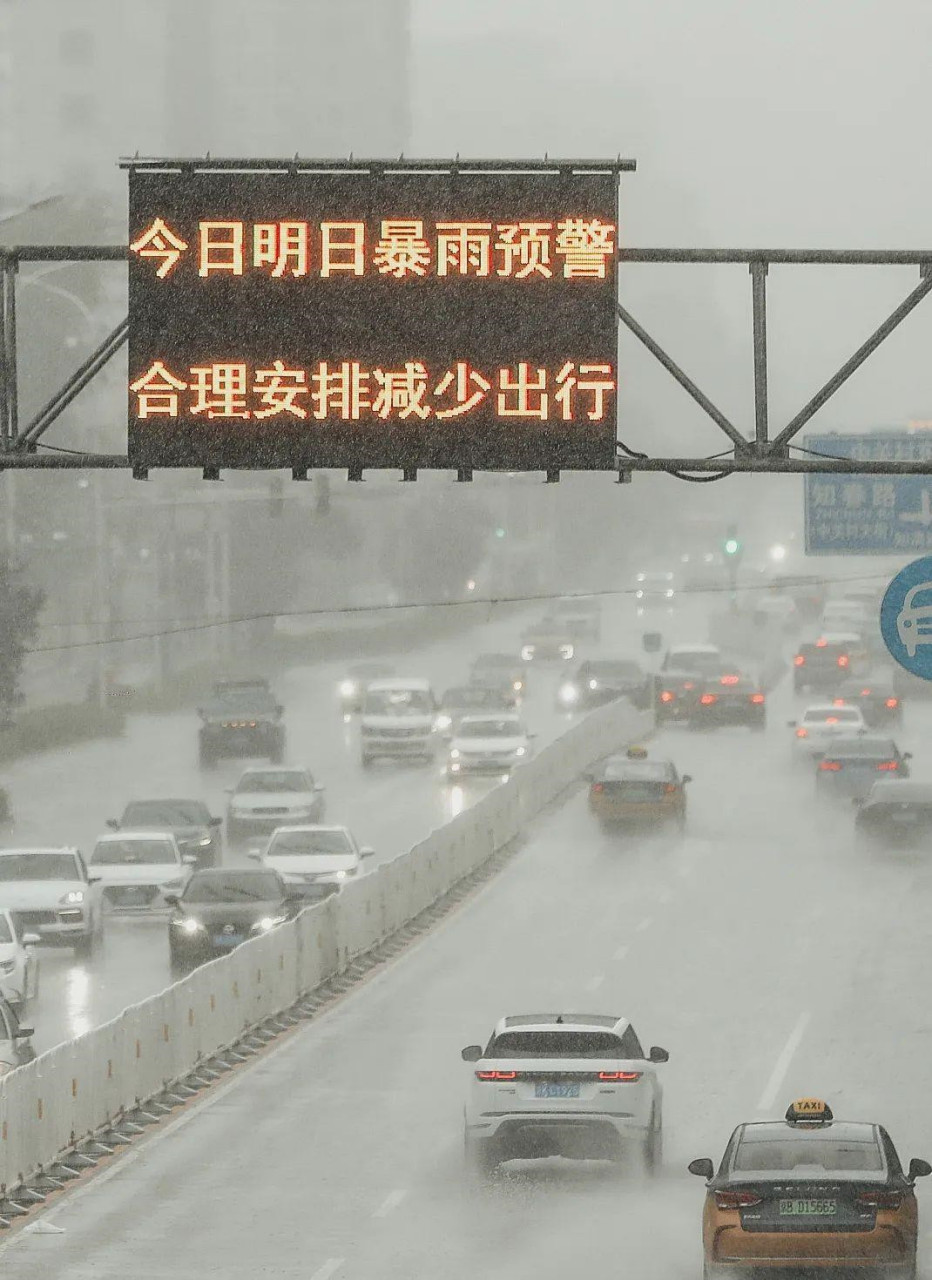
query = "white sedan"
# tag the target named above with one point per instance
(19, 965)
(488, 744)
(313, 860)
(821, 725)
(137, 869)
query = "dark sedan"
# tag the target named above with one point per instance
(189, 821)
(881, 706)
(603, 680)
(15, 1040)
(731, 699)
(218, 910)
(851, 766)
(896, 815)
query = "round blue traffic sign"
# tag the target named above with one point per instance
(906, 618)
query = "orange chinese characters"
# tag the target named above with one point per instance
(585, 245)
(283, 246)
(221, 248)
(157, 392)
(159, 241)
(464, 248)
(342, 248)
(525, 246)
(220, 391)
(468, 387)
(596, 388)
(523, 396)
(278, 389)
(401, 391)
(340, 391)
(402, 250)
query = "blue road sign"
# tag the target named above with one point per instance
(870, 514)
(906, 617)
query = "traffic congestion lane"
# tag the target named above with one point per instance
(388, 806)
(715, 944)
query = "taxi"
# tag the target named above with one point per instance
(810, 1192)
(633, 790)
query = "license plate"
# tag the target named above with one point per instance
(808, 1208)
(131, 897)
(227, 940)
(550, 1090)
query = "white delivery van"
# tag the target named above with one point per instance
(398, 719)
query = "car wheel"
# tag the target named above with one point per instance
(481, 1160)
(653, 1150)
(86, 946)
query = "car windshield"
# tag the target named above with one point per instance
(273, 781)
(637, 770)
(303, 844)
(167, 813)
(397, 702)
(114, 853)
(555, 1044)
(6, 933)
(830, 1154)
(491, 729)
(232, 886)
(833, 715)
(38, 866)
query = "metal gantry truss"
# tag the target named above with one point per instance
(761, 453)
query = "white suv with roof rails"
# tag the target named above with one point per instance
(577, 1085)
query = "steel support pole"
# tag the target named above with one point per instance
(758, 271)
(12, 389)
(4, 367)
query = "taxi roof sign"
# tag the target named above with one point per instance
(636, 753)
(809, 1111)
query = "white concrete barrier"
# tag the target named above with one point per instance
(77, 1089)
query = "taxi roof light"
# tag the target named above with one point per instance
(809, 1111)
(636, 753)
(799, 660)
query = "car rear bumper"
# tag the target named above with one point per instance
(532, 1135)
(636, 814)
(883, 1247)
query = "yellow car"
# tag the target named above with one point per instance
(812, 1193)
(634, 790)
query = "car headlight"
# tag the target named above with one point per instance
(566, 651)
(444, 722)
(669, 593)
(341, 875)
(187, 924)
(347, 688)
(518, 685)
(569, 693)
(454, 753)
(203, 842)
(267, 923)
(593, 684)
(639, 595)
(7, 966)
(527, 652)
(73, 898)
(521, 751)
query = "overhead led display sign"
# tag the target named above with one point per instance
(373, 316)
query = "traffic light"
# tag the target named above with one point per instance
(732, 544)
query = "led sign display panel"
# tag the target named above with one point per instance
(373, 319)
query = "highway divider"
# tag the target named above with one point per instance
(71, 1101)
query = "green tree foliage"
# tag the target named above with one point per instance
(20, 606)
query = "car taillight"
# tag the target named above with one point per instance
(730, 679)
(757, 698)
(838, 702)
(820, 644)
(831, 719)
(669, 788)
(879, 1200)
(623, 1076)
(496, 1075)
(892, 702)
(666, 696)
(842, 659)
(830, 766)
(802, 733)
(736, 1199)
(799, 660)
(888, 766)
(865, 693)
(689, 684)
(597, 788)
(707, 699)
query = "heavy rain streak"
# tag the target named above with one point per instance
(434, 844)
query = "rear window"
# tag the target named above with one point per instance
(861, 749)
(834, 715)
(637, 771)
(564, 1044)
(790, 1155)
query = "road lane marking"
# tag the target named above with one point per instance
(391, 1201)
(645, 924)
(330, 1268)
(594, 983)
(782, 1064)
(621, 952)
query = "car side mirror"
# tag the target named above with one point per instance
(687, 777)
(94, 879)
(113, 824)
(919, 1168)
(31, 939)
(907, 755)
(472, 1053)
(189, 859)
(366, 851)
(254, 855)
(657, 1054)
(25, 1032)
(215, 822)
(702, 1168)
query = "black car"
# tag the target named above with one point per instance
(15, 1040)
(189, 821)
(242, 718)
(674, 694)
(493, 670)
(219, 909)
(851, 766)
(731, 699)
(602, 680)
(822, 665)
(550, 640)
(352, 688)
(881, 706)
(897, 815)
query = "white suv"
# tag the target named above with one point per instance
(51, 894)
(821, 725)
(577, 1085)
